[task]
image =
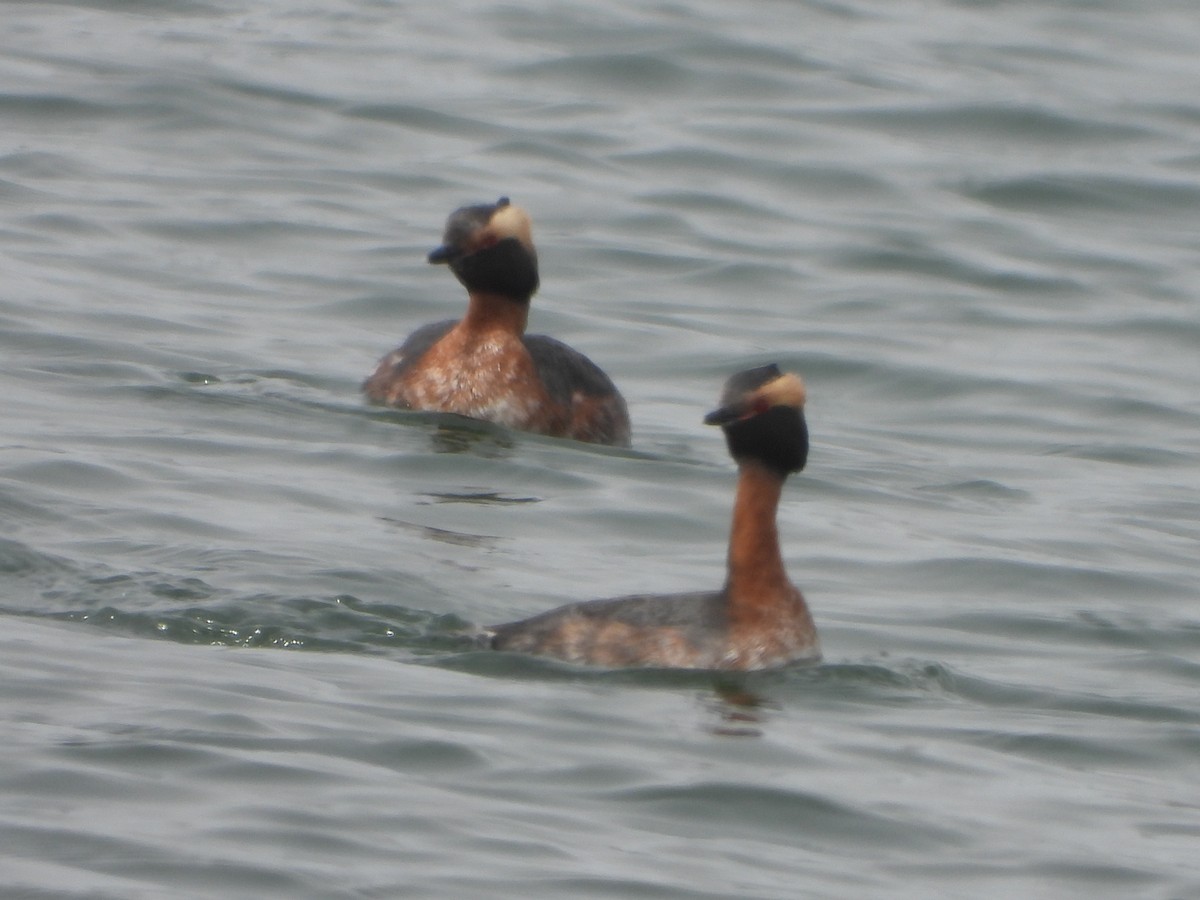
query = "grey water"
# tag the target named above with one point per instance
(235, 600)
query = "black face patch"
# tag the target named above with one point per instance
(506, 268)
(777, 438)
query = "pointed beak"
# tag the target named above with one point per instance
(726, 414)
(441, 254)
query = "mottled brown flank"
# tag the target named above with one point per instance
(614, 644)
(383, 385)
(575, 634)
(485, 374)
(777, 628)
(758, 620)
(491, 376)
(599, 419)
(484, 366)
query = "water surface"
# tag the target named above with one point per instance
(235, 601)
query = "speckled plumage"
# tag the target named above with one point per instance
(759, 619)
(675, 631)
(484, 365)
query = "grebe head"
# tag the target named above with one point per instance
(489, 248)
(762, 415)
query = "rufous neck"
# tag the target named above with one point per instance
(755, 563)
(495, 312)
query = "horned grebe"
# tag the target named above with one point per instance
(759, 618)
(484, 365)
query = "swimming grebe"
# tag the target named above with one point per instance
(759, 618)
(484, 365)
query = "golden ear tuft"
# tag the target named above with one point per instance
(786, 390)
(511, 221)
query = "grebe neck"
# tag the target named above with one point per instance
(756, 572)
(495, 312)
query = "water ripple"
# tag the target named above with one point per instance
(972, 233)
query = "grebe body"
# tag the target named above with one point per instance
(484, 365)
(758, 619)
